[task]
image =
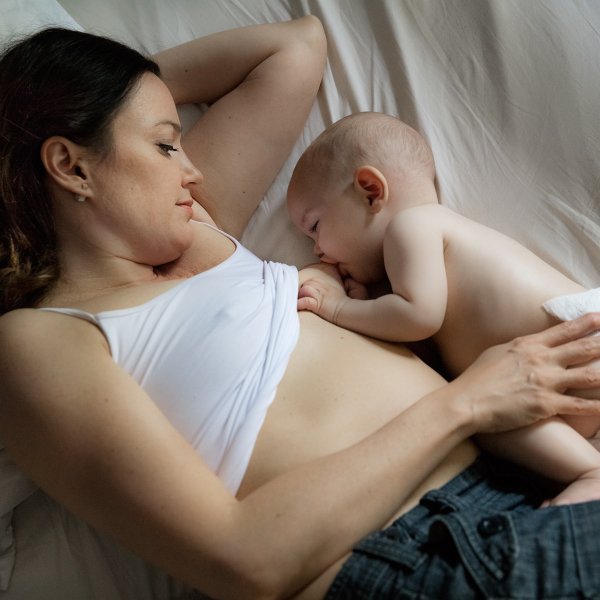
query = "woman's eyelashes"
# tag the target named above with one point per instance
(166, 149)
(313, 229)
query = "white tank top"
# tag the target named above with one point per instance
(210, 353)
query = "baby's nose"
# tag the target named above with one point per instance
(324, 258)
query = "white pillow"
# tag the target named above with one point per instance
(19, 17)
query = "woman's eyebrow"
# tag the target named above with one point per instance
(173, 124)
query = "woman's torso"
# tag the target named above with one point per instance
(338, 387)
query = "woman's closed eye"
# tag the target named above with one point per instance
(166, 149)
(313, 229)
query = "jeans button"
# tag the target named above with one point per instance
(490, 525)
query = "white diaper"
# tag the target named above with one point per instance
(571, 306)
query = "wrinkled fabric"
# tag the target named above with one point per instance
(480, 536)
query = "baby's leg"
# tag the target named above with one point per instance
(555, 450)
(587, 427)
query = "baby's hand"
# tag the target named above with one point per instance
(356, 290)
(584, 489)
(321, 271)
(321, 291)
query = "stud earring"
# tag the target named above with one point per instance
(81, 197)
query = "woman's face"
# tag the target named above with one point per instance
(141, 190)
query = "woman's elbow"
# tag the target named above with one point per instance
(248, 573)
(261, 584)
(310, 39)
(312, 31)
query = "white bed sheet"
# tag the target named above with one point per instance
(506, 93)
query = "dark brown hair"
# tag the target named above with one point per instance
(54, 82)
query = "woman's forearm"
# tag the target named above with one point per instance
(303, 521)
(207, 68)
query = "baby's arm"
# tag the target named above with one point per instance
(414, 261)
(555, 450)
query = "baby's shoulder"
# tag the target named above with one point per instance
(430, 212)
(433, 218)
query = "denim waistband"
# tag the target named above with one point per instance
(480, 536)
(488, 481)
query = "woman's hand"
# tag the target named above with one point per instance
(524, 381)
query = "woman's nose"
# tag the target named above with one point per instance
(191, 174)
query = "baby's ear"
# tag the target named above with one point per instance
(372, 185)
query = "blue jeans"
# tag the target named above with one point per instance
(480, 536)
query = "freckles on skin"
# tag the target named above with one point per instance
(139, 189)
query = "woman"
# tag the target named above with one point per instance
(128, 350)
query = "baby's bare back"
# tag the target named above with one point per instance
(495, 289)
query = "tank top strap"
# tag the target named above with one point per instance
(75, 312)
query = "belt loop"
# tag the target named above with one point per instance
(487, 560)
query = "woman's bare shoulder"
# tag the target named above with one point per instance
(27, 324)
(29, 338)
(23, 326)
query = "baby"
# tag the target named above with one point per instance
(364, 191)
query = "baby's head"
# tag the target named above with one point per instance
(349, 183)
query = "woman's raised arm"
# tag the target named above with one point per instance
(260, 82)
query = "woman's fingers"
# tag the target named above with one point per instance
(567, 344)
(578, 351)
(579, 378)
(535, 377)
(573, 405)
(568, 331)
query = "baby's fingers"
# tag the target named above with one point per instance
(307, 303)
(308, 298)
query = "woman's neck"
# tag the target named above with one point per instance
(81, 279)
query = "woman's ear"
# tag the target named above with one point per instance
(63, 162)
(372, 185)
